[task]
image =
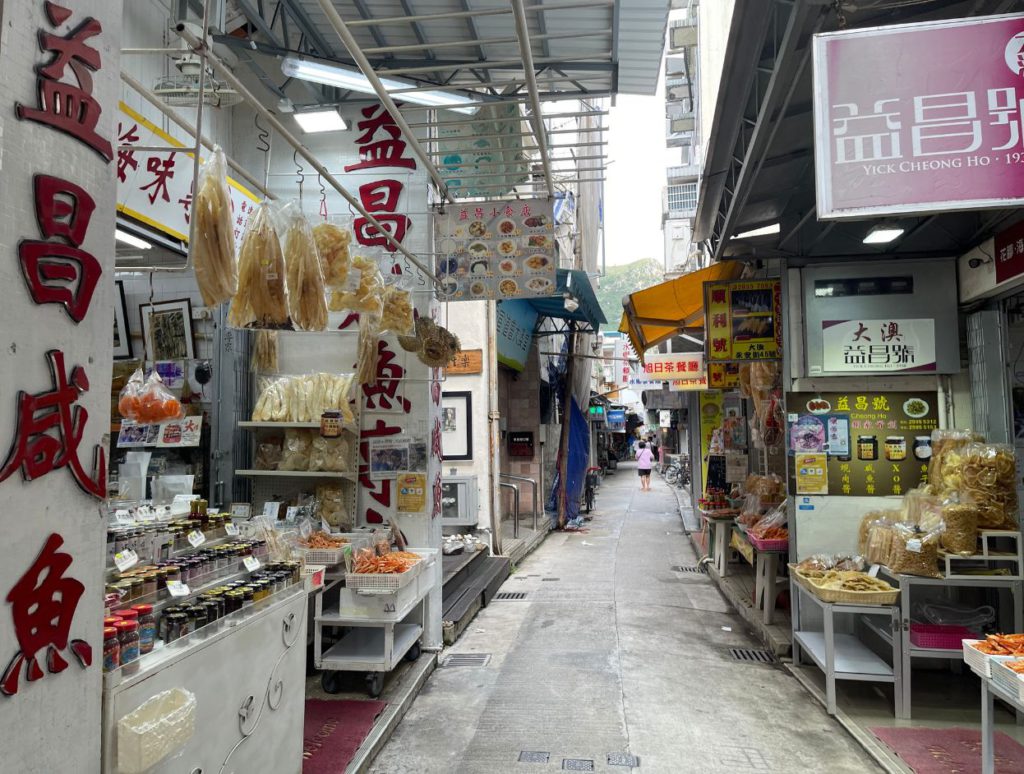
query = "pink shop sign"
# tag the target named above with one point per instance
(920, 118)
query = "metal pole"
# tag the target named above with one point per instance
(477, 120)
(482, 41)
(364, 64)
(199, 132)
(152, 99)
(303, 151)
(562, 6)
(533, 485)
(493, 427)
(515, 507)
(602, 57)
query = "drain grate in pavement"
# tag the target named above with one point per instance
(467, 660)
(698, 569)
(623, 759)
(577, 764)
(551, 579)
(752, 655)
(510, 595)
(526, 756)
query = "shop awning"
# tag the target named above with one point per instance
(577, 284)
(662, 311)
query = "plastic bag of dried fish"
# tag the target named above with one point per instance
(307, 303)
(213, 245)
(362, 290)
(332, 242)
(261, 300)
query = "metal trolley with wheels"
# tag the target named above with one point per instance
(384, 625)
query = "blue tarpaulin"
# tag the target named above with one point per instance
(575, 470)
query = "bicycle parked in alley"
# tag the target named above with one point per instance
(677, 473)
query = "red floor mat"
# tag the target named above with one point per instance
(333, 732)
(944, 750)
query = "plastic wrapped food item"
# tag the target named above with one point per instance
(924, 510)
(156, 403)
(264, 352)
(213, 247)
(988, 477)
(362, 291)
(944, 465)
(261, 300)
(397, 315)
(914, 552)
(304, 398)
(330, 454)
(866, 521)
(369, 351)
(307, 303)
(332, 243)
(331, 499)
(879, 542)
(268, 455)
(295, 453)
(128, 399)
(961, 527)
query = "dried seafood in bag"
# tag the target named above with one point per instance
(944, 465)
(961, 533)
(331, 499)
(914, 552)
(261, 300)
(362, 291)
(304, 398)
(213, 246)
(397, 316)
(332, 243)
(296, 450)
(307, 303)
(369, 351)
(330, 454)
(988, 477)
(264, 352)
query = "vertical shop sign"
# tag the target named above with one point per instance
(743, 320)
(1009, 246)
(901, 131)
(871, 443)
(723, 376)
(710, 404)
(870, 346)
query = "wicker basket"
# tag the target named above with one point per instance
(848, 597)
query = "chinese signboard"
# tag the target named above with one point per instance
(616, 419)
(899, 130)
(1009, 247)
(743, 320)
(520, 444)
(467, 361)
(500, 250)
(711, 404)
(723, 376)
(674, 366)
(514, 324)
(869, 346)
(872, 444)
(156, 188)
(698, 381)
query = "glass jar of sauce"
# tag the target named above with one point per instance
(867, 447)
(330, 424)
(128, 640)
(147, 628)
(922, 448)
(895, 448)
(111, 649)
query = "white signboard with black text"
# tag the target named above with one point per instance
(874, 346)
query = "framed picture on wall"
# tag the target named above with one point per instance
(457, 425)
(167, 330)
(122, 333)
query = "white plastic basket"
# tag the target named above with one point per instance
(1007, 679)
(155, 728)
(382, 583)
(313, 576)
(323, 556)
(981, 663)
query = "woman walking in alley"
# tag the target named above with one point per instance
(644, 463)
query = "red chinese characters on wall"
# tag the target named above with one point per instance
(383, 395)
(43, 604)
(69, 107)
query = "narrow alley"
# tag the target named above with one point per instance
(613, 651)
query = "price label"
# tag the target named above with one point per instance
(241, 511)
(252, 564)
(177, 589)
(271, 510)
(914, 544)
(873, 570)
(231, 529)
(324, 526)
(125, 559)
(292, 513)
(123, 516)
(196, 538)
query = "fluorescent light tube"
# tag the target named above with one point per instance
(313, 121)
(343, 78)
(756, 232)
(881, 235)
(131, 239)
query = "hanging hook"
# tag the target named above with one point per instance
(298, 172)
(262, 135)
(323, 196)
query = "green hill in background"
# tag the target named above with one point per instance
(621, 281)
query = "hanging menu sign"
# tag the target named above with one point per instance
(869, 444)
(497, 250)
(743, 320)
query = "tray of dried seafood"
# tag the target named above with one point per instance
(850, 586)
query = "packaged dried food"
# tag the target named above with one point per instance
(304, 398)
(332, 508)
(866, 521)
(307, 303)
(369, 351)
(988, 477)
(213, 246)
(944, 466)
(923, 509)
(879, 544)
(332, 243)
(914, 552)
(362, 289)
(961, 527)
(398, 316)
(156, 403)
(128, 399)
(264, 352)
(295, 453)
(818, 562)
(330, 454)
(268, 454)
(261, 300)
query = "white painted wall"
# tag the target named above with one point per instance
(715, 18)
(53, 724)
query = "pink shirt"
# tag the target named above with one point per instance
(645, 459)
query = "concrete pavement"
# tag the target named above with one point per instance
(612, 652)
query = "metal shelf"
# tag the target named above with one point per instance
(913, 650)
(365, 649)
(287, 426)
(297, 474)
(853, 660)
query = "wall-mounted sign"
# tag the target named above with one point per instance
(689, 384)
(616, 420)
(500, 250)
(520, 444)
(723, 376)
(156, 188)
(1009, 249)
(872, 443)
(743, 320)
(669, 367)
(467, 361)
(900, 130)
(869, 346)
(514, 325)
(811, 472)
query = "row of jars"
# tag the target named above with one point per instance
(131, 632)
(157, 541)
(149, 582)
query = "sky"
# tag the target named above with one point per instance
(637, 159)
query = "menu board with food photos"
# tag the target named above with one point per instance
(496, 250)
